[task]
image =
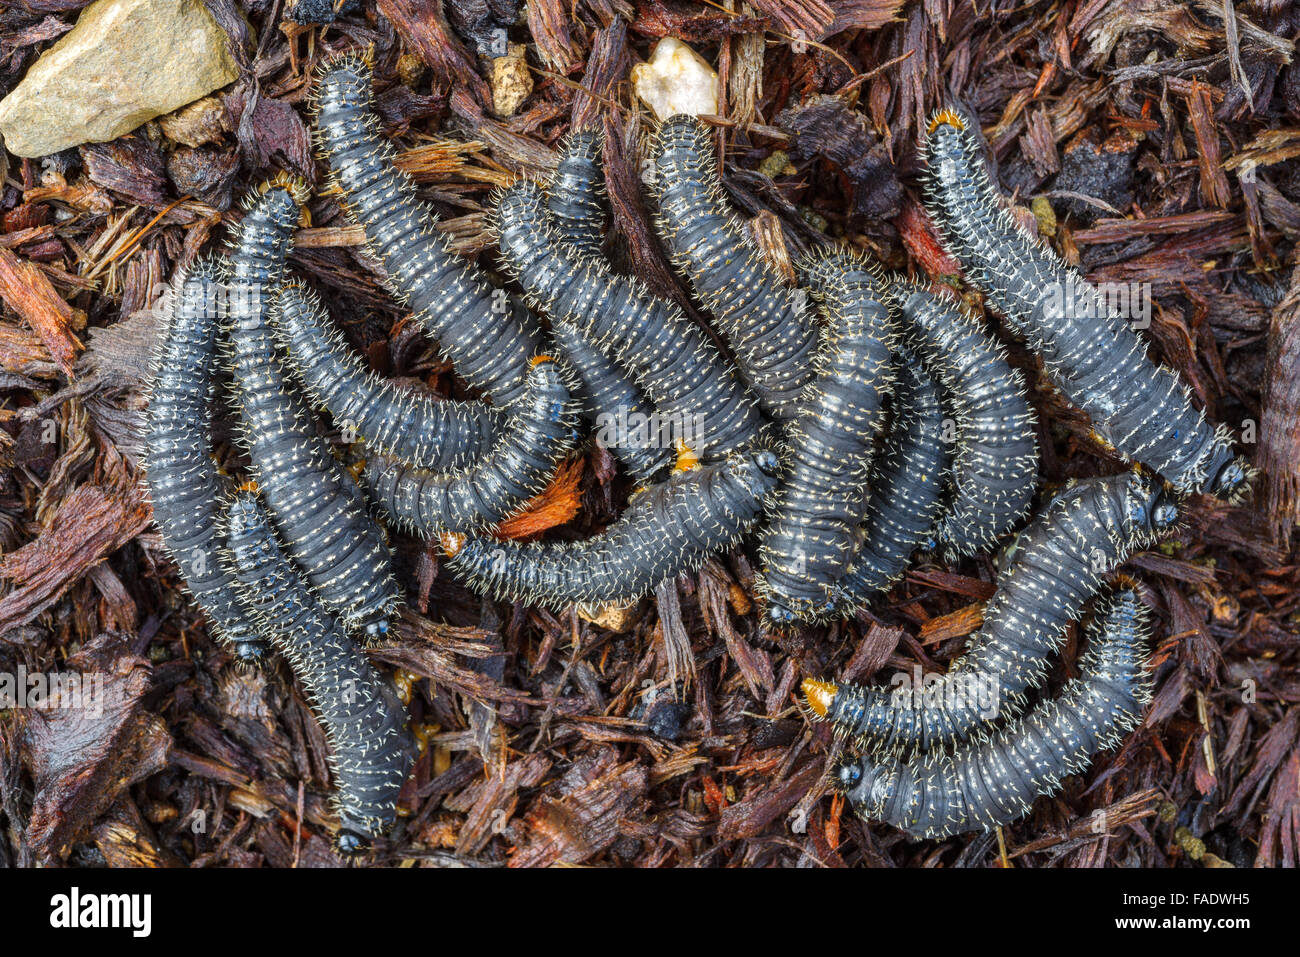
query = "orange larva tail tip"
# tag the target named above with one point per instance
(686, 458)
(820, 695)
(295, 186)
(452, 542)
(948, 117)
(538, 360)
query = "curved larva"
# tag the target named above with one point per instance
(1091, 352)
(684, 376)
(666, 530)
(317, 507)
(489, 343)
(619, 411)
(611, 399)
(413, 426)
(1054, 567)
(538, 432)
(766, 323)
(812, 536)
(993, 781)
(371, 750)
(573, 195)
(995, 457)
(183, 482)
(908, 485)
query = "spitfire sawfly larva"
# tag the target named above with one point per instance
(1051, 570)
(767, 324)
(573, 196)
(1092, 353)
(688, 381)
(908, 483)
(665, 530)
(812, 535)
(995, 452)
(184, 485)
(411, 425)
(985, 783)
(539, 430)
(488, 342)
(573, 199)
(316, 505)
(371, 749)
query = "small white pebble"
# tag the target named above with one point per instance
(676, 80)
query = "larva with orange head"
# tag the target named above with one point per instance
(1054, 567)
(1091, 352)
(316, 505)
(665, 530)
(489, 342)
(992, 781)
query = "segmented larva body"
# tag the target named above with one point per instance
(685, 377)
(1054, 566)
(995, 456)
(813, 533)
(573, 199)
(573, 196)
(666, 530)
(371, 749)
(1091, 352)
(182, 477)
(908, 483)
(415, 427)
(538, 432)
(615, 405)
(489, 343)
(316, 506)
(993, 781)
(767, 324)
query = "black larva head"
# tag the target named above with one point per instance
(780, 616)
(758, 472)
(869, 785)
(350, 843)
(1149, 508)
(249, 653)
(846, 775)
(1232, 484)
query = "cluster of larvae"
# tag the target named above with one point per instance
(848, 442)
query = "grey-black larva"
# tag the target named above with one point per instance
(315, 504)
(611, 399)
(995, 453)
(690, 383)
(665, 530)
(907, 489)
(412, 426)
(538, 432)
(767, 324)
(1052, 568)
(812, 535)
(183, 482)
(489, 343)
(994, 780)
(371, 749)
(1092, 354)
(573, 195)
